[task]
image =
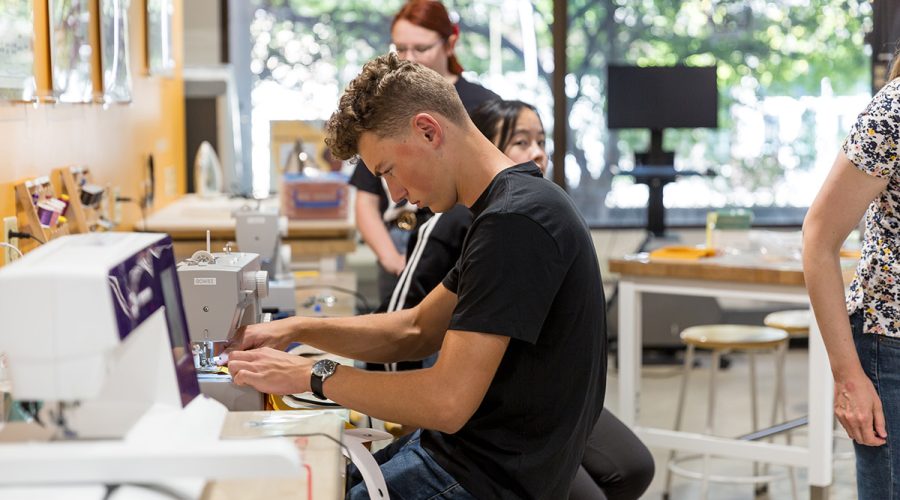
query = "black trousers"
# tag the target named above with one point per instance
(616, 464)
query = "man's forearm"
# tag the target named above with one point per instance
(377, 338)
(442, 397)
(411, 398)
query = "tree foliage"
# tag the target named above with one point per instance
(762, 48)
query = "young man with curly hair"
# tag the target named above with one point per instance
(519, 321)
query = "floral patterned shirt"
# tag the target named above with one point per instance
(872, 147)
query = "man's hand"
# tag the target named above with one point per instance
(858, 407)
(270, 371)
(276, 334)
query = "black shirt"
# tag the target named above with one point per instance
(471, 95)
(528, 270)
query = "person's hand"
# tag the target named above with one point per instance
(858, 407)
(270, 371)
(394, 263)
(275, 334)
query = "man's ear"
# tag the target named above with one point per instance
(428, 128)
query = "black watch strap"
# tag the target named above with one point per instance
(316, 384)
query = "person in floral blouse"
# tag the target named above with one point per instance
(862, 330)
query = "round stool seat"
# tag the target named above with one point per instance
(733, 336)
(795, 322)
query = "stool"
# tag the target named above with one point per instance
(794, 322)
(721, 339)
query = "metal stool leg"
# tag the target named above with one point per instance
(781, 393)
(710, 422)
(682, 394)
(754, 421)
(779, 407)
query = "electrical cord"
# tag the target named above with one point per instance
(142, 206)
(366, 308)
(300, 434)
(170, 492)
(158, 488)
(25, 236)
(12, 247)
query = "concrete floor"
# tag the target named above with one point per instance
(659, 398)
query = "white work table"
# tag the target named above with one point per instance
(187, 219)
(721, 278)
(318, 440)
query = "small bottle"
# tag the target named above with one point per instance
(195, 351)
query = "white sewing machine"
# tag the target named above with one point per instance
(259, 230)
(94, 329)
(222, 292)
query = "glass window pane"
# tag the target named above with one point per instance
(792, 76)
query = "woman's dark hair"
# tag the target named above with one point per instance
(498, 118)
(431, 15)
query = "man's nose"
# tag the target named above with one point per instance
(396, 191)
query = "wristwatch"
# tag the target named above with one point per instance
(321, 370)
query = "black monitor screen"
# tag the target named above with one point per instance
(662, 97)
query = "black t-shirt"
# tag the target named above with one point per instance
(471, 95)
(528, 270)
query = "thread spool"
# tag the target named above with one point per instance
(47, 214)
(91, 195)
(64, 198)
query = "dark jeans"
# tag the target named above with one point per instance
(616, 463)
(409, 473)
(878, 467)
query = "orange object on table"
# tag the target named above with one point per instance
(681, 252)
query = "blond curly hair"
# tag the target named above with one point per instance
(386, 94)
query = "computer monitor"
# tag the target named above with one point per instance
(659, 97)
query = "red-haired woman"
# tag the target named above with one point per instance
(421, 32)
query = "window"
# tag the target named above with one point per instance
(793, 75)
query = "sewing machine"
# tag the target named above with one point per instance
(222, 292)
(259, 230)
(94, 329)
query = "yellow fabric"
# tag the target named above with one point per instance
(681, 252)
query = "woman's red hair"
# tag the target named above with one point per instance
(431, 15)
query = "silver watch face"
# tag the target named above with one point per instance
(324, 368)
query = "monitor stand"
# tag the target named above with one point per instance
(655, 168)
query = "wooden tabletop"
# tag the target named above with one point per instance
(744, 270)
